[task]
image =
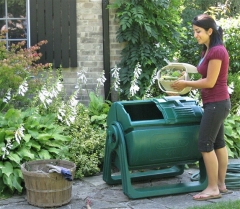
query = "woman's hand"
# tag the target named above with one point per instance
(179, 85)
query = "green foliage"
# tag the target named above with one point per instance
(42, 138)
(150, 31)
(192, 8)
(190, 51)
(232, 135)
(35, 128)
(98, 110)
(87, 146)
(234, 78)
(231, 27)
(223, 9)
(16, 66)
(30, 128)
(154, 91)
(216, 8)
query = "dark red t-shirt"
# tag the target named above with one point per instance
(220, 90)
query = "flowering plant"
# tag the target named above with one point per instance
(19, 74)
(33, 115)
(41, 127)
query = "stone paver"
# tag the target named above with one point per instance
(103, 196)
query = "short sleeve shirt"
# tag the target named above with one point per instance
(220, 90)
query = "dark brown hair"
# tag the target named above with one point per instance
(206, 22)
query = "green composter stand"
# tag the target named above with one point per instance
(145, 135)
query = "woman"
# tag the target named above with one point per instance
(213, 67)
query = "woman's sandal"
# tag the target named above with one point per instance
(205, 196)
(225, 191)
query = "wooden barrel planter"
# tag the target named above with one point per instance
(46, 189)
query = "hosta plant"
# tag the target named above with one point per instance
(24, 136)
(232, 135)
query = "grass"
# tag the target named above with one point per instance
(220, 205)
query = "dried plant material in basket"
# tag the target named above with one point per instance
(172, 72)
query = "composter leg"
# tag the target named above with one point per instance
(110, 147)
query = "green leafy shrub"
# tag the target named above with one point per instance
(24, 136)
(30, 128)
(220, 8)
(234, 79)
(87, 146)
(98, 110)
(231, 27)
(16, 66)
(88, 132)
(150, 33)
(232, 135)
(190, 50)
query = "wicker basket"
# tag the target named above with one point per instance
(46, 189)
